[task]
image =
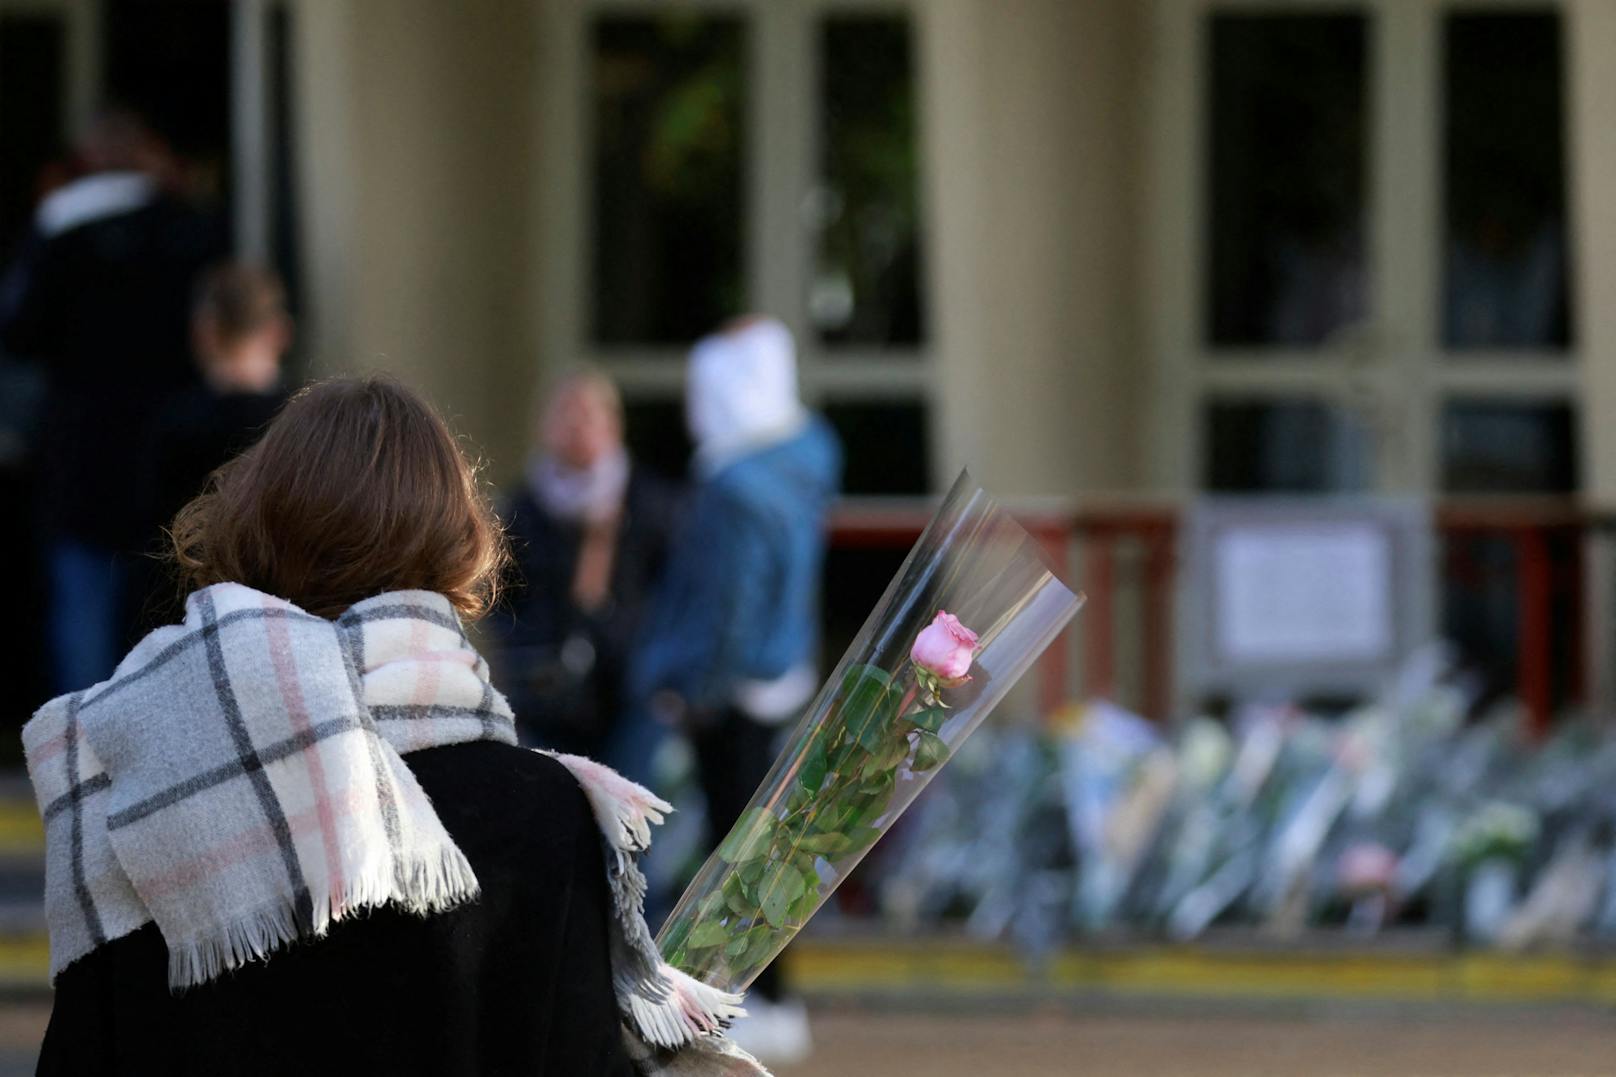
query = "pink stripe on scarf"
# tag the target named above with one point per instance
(280, 655)
(427, 675)
(49, 749)
(239, 848)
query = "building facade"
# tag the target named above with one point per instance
(1098, 251)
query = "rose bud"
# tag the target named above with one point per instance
(945, 648)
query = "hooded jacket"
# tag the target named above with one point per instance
(740, 602)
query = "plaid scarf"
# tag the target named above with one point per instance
(239, 780)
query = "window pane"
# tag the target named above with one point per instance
(1286, 180)
(170, 61)
(885, 447)
(1504, 282)
(668, 106)
(657, 437)
(1491, 447)
(855, 578)
(31, 56)
(865, 289)
(1292, 447)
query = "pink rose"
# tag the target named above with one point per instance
(1366, 866)
(945, 647)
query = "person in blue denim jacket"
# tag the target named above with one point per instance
(730, 646)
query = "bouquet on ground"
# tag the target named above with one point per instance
(972, 608)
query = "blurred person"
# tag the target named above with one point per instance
(589, 532)
(240, 331)
(731, 643)
(298, 835)
(100, 295)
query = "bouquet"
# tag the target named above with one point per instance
(970, 610)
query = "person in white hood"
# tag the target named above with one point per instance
(732, 641)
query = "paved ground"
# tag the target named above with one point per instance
(21, 1026)
(1541, 1043)
(1553, 1044)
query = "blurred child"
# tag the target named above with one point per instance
(239, 335)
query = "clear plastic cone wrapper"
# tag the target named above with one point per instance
(973, 607)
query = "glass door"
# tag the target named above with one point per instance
(1360, 229)
(706, 158)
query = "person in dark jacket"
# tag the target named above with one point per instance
(314, 768)
(240, 331)
(731, 643)
(516, 983)
(101, 296)
(589, 532)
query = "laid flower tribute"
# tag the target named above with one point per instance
(970, 610)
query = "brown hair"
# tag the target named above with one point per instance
(236, 299)
(357, 487)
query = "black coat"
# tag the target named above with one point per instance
(106, 307)
(518, 982)
(574, 709)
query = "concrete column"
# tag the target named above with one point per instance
(417, 122)
(1591, 37)
(1031, 134)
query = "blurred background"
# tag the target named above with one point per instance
(1276, 321)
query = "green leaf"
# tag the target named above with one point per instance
(785, 887)
(759, 941)
(865, 704)
(749, 836)
(880, 785)
(891, 753)
(863, 837)
(873, 733)
(708, 934)
(804, 906)
(677, 935)
(857, 675)
(930, 752)
(824, 844)
(710, 904)
(740, 904)
(845, 757)
(931, 719)
(814, 766)
(748, 946)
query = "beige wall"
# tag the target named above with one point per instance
(418, 126)
(1592, 144)
(1033, 137)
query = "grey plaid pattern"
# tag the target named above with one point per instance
(239, 779)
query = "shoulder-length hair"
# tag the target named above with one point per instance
(357, 487)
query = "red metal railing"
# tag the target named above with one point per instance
(1546, 545)
(1544, 540)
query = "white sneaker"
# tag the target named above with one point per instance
(776, 1032)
